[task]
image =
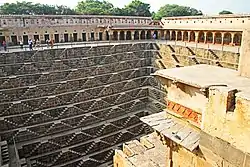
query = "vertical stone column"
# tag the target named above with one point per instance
(244, 63)
(51, 37)
(165, 35)
(205, 37)
(196, 36)
(110, 35)
(125, 35)
(170, 35)
(87, 36)
(152, 33)
(139, 35)
(97, 36)
(104, 36)
(213, 37)
(159, 34)
(232, 39)
(182, 35)
(118, 35)
(132, 35)
(189, 36)
(222, 38)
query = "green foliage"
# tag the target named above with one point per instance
(226, 12)
(20, 8)
(95, 7)
(98, 7)
(176, 10)
(138, 8)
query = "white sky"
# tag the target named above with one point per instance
(207, 6)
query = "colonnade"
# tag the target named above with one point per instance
(213, 37)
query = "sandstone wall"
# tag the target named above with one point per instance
(173, 55)
(231, 126)
(73, 107)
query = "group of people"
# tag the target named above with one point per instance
(31, 43)
(36, 43)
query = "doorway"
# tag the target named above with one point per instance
(84, 36)
(2, 38)
(46, 36)
(25, 39)
(14, 39)
(36, 37)
(100, 36)
(66, 37)
(92, 36)
(56, 38)
(75, 37)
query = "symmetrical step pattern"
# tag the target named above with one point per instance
(4, 154)
(73, 107)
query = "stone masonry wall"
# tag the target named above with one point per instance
(73, 107)
(174, 56)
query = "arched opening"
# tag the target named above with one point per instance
(209, 37)
(237, 39)
(148, 34)
(201, 37)
(115, 35)
(122, 35)
(179, 36)
(156, 36)
(192, 36)
(173, 36)
(107, 35)
(142, 34)
(218, 38)
(128, 36)
(136, 35)
(185, 36)
(227, 38)
(168, 35)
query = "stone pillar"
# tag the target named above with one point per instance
(244, 63)
(118, 35)
(213, 37)
(104, 36)
(110, 35)
(125, 35)
(182, 35)
(222, 38)
(139, 35)
(205, 37)
(232, 38)
(189, 35)
(196, 36)
(165, 34)
(133, 35)
(97, 36)
(152, 33)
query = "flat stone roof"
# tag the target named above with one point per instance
(205, 76)
(139, 27)
(208, 16)
(174, 129)
(75, 16)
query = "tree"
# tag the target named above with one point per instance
(176, 10)
(31, 8)
(138, 8)
(95, 7)
(226, 12)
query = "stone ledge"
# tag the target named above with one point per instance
(225, 150)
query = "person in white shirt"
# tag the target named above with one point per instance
(30, 42)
